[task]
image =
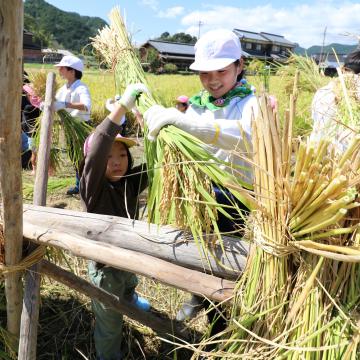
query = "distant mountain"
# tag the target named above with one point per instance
(67, 29)
(339, 49)
(316, 49)
(300, 50)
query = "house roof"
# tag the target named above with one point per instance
(57, 51)
(28, 41)
(243, 34)
(277, 39)
(172, 48)
(177, 50)
(263, 37)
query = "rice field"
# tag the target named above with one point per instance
(169, 87)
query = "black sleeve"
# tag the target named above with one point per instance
(93, 174)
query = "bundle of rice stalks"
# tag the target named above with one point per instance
(38, 83)
(299, 295)
(181, 171)
(311, 78)
(113, 44)
(76, 131)
(347, 93)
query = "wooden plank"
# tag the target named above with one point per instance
(11, 34)
(163, 325)
(30, 310)
(163, 242)
(185, 279)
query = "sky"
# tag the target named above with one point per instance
(302, 22)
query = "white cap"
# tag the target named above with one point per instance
(71, 61)
(215, 50)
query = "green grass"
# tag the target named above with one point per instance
(55, 184)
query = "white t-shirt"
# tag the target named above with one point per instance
(78, 92)
(226, 140)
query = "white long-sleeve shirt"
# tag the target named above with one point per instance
(327, 120)
(221, 129)
(77, 92)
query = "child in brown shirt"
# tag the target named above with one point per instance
(110, 185)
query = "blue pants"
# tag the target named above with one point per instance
(108, 322)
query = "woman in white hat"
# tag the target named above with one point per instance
(73, 96)
(220, 115)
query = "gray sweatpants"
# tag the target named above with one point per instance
(108, 322)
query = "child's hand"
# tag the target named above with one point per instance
(131, 94)
(157, 117)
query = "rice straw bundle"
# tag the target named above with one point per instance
(181, 172)
(299, 294)
(38, 83)
(310, 76)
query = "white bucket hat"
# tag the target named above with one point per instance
(71, 61)
(215, 50)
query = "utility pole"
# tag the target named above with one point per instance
(322, 46)
(199, 24)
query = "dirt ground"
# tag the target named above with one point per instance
(66, 321)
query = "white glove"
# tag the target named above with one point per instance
(111, 102)
(157, 117)
(110, 105)
(131, 94)
(59, 105)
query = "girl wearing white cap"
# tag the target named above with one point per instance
(73, 96)
(220, 115)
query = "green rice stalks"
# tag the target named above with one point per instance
(311, 77)
(75, 132)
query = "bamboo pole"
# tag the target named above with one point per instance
(30, 311)
(185, 279)
(11, 34)
(163, 325)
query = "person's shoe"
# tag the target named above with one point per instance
(73, 191)
(140, 302)
(190, 308)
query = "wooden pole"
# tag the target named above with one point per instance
(30, 310)
(163, 242)
(149, 266)
(163, 325)
(43, 157)
(11, 35)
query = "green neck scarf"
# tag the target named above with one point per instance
(205, 100)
